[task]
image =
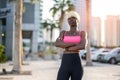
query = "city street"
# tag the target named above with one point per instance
(47, 70)
(35, 35)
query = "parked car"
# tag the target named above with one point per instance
(95, 54)
(112, 57)
(84, 52)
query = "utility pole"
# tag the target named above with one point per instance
(88, 11)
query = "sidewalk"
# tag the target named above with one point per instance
(47, 70)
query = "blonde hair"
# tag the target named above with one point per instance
(73, 14)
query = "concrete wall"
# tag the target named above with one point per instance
(31, 22)
(0, 32)
(10, 31)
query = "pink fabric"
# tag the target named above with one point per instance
(76, 39)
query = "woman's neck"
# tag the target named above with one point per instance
(73, 29)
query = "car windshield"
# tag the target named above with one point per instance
(114, 50)
(102, 50)
(105, 51)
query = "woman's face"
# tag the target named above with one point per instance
(72, 21)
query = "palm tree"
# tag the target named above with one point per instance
(18, 47)
(18, 37)
(61, 6)
(89, 61)
(49, 24)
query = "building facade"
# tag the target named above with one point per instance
(30, 27)
(7, 27)
(95, 31)
(81, 9)
(32, 17)
(112, 31)
(80, 6)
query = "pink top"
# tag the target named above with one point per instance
(71, 39)
(68, 39)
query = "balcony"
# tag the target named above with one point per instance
(3, 12)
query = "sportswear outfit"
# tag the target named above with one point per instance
(71, 63)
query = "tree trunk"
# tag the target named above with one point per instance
(18, 37)
(88, 56)
(21, 40)
(51, 35)
(61, 18)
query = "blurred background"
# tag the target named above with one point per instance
(42, 20)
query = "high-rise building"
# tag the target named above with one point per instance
(6, 27)
(118, 32)
(95, 31)
(31, 25)
(80, 6)
(81, 9)
(112, 29)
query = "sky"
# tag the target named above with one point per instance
(99, 8)
(105, 7)
(47, 4)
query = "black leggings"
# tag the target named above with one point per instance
(70, 67)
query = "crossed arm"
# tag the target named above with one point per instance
(71, 46)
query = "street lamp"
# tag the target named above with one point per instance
(3, 34)
(88, 55)
(3, 13)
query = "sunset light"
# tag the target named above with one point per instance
(59, 39)
(101, 8)
(105, 7)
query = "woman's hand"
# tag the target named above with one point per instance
(81, 45)
(59, 41)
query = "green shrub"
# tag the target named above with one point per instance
(3, 57)
(50, 50)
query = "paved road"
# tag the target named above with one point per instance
(47, 70)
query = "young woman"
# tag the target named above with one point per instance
(72, 42)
